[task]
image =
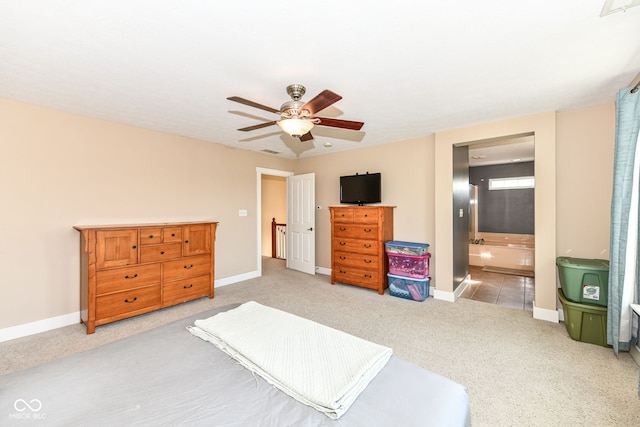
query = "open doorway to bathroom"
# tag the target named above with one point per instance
(501, 222)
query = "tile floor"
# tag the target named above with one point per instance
(501, 289)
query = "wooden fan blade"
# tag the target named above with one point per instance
(306, 137)
(253, 104)
(321, 101)
(260, 126)
(337, 123)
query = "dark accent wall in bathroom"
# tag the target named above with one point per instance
(504, 211)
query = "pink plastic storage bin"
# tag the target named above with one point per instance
(409, 265)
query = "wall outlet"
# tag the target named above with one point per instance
(242, 212)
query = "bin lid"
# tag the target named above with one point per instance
(583, 263)
(406, 244)
(409, 279)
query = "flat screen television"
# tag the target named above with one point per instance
(361, 189)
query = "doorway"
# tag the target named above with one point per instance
(501, 239)
(543, 127)
(300, 219)
(264, 221)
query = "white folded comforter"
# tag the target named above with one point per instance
(315, 364)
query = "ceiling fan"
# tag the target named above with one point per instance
(298, 118)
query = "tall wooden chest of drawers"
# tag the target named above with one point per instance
(128, 270)
(358, 234)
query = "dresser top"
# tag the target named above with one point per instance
(360, 207)
(160, 224)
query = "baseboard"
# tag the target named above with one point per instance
(444, 295)
(451, 296)
(44, 325)
(38, 326)
(545, 314)
(235, 279)
(323, 270)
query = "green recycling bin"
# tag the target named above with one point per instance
(584, 281)
(585, 323)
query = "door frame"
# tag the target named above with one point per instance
(543, 127)
(259, 172)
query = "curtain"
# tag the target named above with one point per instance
(624, 286)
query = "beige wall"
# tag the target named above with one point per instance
(407, 183)
(274, 205)
(60, 170)
(584, 154)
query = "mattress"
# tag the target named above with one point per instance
(317, 365)
(166, 376)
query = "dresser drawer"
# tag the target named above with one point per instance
(357, 260)
(354, 276)
(172, 235)
(127, 301)
(186, 267)
(185, 289)
(150, 236)
(120, 279)
(157, 253)
(366, 216)
(369, 247)
(155, 236)
(343, 215)
(356, 231)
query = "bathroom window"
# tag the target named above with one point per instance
(511, 183)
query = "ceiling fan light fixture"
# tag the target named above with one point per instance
(296, 127)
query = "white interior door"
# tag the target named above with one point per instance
(301, 223)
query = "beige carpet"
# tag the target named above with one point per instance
(519, 371)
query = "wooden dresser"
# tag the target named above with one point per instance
(128, 270)
(358, 234)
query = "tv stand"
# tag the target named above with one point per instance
(358, 234)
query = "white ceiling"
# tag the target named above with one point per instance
(406, 68)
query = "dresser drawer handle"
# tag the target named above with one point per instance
(368, 276)
(188, 267)
(186, 241)
(133, 247)
(188, 286)
(131, 277)
(367, 245)
(342, 243)
(343, 272)
(343, 257)
(151, 236)
(173, 234)
(368, 261)
(133, 300)
(161, 252)
(367, 230)
(342, 228)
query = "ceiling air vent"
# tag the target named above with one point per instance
(270, 151)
